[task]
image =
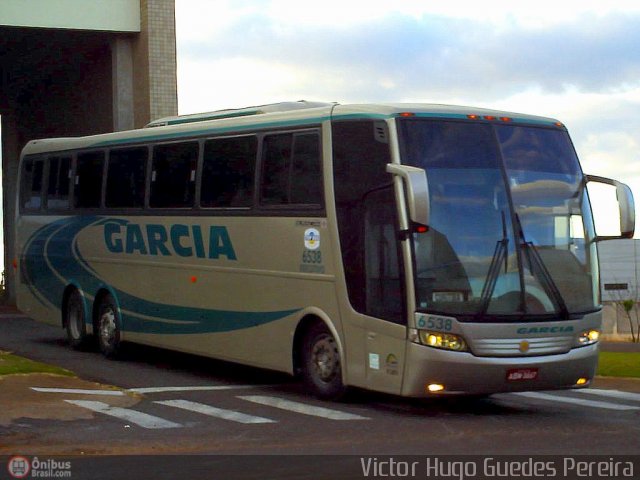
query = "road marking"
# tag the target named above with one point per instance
(635, 397)
(202, 388)
(78, 390)
(141, 419)
(215, 412)
(575, 401)
(302, 408)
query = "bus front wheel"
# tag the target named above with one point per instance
(74, 321)
(321, 363)
(108, 327)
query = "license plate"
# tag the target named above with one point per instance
(522, 374)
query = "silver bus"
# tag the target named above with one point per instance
(418, 250)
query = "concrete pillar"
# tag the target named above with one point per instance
(11, 145)
(155, 67)
(122, 83)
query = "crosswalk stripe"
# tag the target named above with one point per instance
(139, 418)
(199, 388)
(575, 401)
(635, 397)
(302, 408)
(115, 393)
(215, 412)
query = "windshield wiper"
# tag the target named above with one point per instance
(500, 255)
(535, 261)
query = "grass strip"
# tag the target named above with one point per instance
(12, 364)
(619, 364)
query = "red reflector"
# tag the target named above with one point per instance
(15, 263)
(407, 114)
(421, 229)
(473, 117)
(506, 119)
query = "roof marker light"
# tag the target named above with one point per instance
(473, 117)
(489, 117)
(407, 114)
(506, 119)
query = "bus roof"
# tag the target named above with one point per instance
(283, 114)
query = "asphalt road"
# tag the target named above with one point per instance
(184, 404)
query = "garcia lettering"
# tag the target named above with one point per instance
(179, 240)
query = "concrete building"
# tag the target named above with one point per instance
(619, 271)
(80, 67)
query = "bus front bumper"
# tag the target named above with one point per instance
(431, 372)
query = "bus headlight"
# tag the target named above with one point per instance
(588, 337)
(446, 341)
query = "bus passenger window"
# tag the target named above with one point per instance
(32, 174)
(173, 176)
(291, 170)
(125, 178)
(59, 176)
(88, 182)
(228, 172)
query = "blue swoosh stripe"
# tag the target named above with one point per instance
(56, 243)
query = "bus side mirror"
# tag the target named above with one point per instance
(626, 207)
(417, 191)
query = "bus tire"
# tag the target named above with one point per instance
(321, 363)
(74, 321)
(108, 327)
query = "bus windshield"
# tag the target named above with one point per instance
(510, 233)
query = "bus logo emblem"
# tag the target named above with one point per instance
(311, 239)
(524, 346)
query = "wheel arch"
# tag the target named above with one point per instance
(312, 316)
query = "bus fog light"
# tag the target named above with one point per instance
(582, 381)
(446, 341)
(588, 337)
(435, 387)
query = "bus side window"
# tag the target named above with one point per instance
(125, 178)
(228, 172)
(291, 170)
(59, 179)
(32, 177)
(88, 183)
(173, 176)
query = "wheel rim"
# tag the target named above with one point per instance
(325, 359)
(108, 327)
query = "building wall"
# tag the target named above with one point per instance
(79, 67)
(619, 281)
(105, 15)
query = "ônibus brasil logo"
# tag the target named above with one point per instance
(19, 467)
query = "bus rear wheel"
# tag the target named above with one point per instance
(108, 327)
(321, 363)
(74, 321)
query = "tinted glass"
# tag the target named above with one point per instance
(59, 179)
(125, 178)
(367, 219)
(31, 189)
(291, 170)
(88, 183)
(173, 177)
(228, 172)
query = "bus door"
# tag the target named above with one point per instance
(375, 316)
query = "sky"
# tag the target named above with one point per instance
(577, 61)
(574, 60)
